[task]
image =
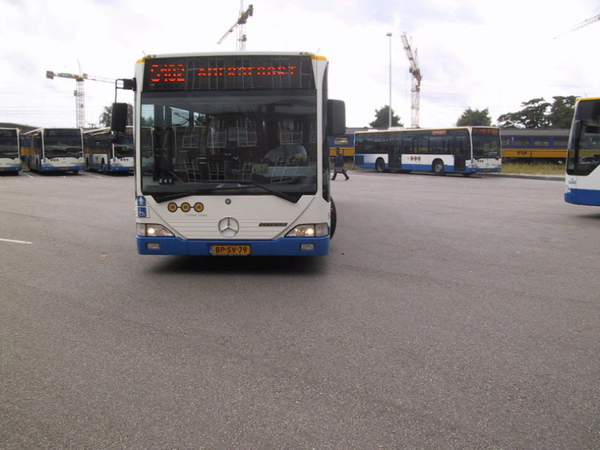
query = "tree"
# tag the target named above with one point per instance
(382, 118)
(538, 113)
(474, 117)
(533, 115)
(106, 116)
(561, 111)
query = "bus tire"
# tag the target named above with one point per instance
(438, 167)
(380, 165)
(333, 219)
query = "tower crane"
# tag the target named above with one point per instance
(586, 22)
(241, 27)
(580, 25)
(79, 91)
(416, 82)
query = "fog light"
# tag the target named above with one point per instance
(307, 247)
(152, 246)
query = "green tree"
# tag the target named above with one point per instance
(382, 117)
(561, 111)
(106, 116)
(474, 117)
(533, 115)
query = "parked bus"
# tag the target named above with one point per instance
(53, 149)
(583, 157)
(231, 153)
(344, 142)
(533, 145)
(464, 150)
(10, 151)
(108, 152)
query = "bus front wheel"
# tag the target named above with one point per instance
(379, 165)
(438, 167)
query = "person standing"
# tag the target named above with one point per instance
(338, 166)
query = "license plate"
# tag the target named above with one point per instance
(230, 250)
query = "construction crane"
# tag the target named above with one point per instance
(581, 25)
(241, 27)
(79, 91)
(416, 82)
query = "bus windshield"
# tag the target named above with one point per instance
(125, 148)
(216, 142)
(584, 157)
(62, 146)
(9, 145)
(486, 147)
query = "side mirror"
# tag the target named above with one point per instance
(336, 117)
(118, 121)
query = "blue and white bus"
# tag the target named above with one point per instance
(53, 150)
(464, 150)
(583, 155)
(232, 156)
(10, 151)
(107, 152)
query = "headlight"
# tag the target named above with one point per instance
(153, 230)
(311, 230)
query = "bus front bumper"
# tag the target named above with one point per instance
(279, 247)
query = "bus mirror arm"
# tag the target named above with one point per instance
(126, 84)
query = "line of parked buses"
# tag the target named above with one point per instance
(44, 150)
(463, 150)
(73, 149)
(518, 145)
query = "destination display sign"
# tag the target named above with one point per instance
(486, 131)
(228, 72)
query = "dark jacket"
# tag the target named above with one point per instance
(339, 161)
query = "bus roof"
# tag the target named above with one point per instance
(244, 53)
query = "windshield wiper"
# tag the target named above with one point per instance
(229, 185)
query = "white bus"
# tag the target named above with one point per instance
(232, 154)
(10, 151)
(465, 150)
(107, 152)
(583, 154)
(53, 150)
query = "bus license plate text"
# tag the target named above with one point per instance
(230, 250)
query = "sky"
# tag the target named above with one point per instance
(471, 53)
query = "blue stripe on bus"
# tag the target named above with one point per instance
(279, 247)
(427, 168)
(60, 169)
(583, 197)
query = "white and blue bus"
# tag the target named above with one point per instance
(232, 153)
(464, 150)
(53, 150)
(10, 151)
(583, 154)
(107, 152)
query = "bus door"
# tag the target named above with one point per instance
(395, 151)
(461, 147)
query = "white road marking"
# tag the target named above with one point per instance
(15, 242)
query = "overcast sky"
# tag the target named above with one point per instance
(472, 54)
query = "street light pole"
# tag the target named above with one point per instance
(390, 102)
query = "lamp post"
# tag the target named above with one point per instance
(390, 102)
